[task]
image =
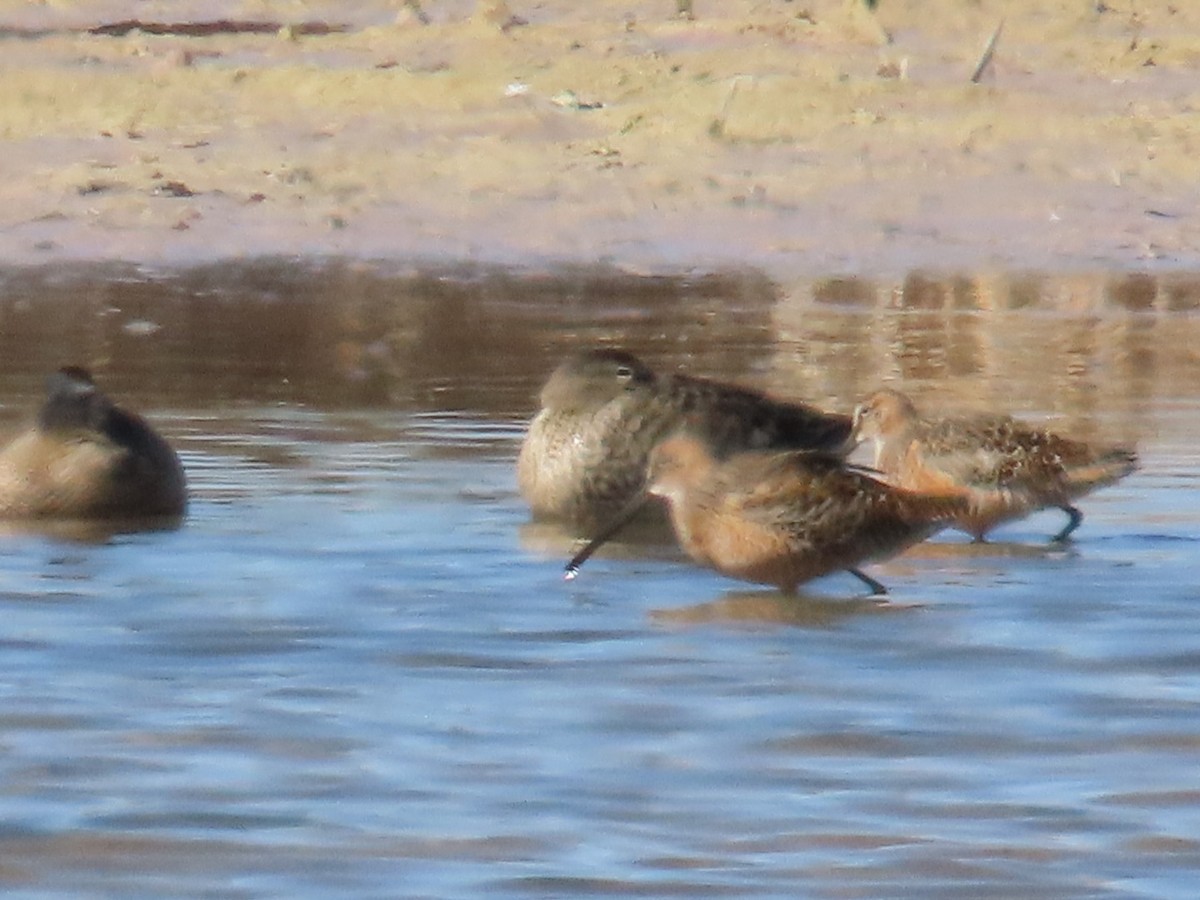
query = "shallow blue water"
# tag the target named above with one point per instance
(356, 671)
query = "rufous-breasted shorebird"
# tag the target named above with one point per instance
(1006, 469)
(781, 517)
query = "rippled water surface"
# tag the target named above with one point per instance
(355, 671)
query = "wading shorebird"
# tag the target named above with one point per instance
(86, 458)
(781, 518)
(1005, 468)
(584, 456)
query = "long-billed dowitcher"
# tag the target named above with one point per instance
(603, 411)
(781, 517)
(1005, 468)
(86, 458)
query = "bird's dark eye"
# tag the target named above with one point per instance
(624, 373)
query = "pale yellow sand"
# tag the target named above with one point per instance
(789, 136)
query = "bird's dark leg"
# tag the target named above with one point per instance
(1075, 518)
(875, 586)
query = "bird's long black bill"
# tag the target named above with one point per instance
(606, 534)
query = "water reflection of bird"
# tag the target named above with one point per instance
(86, 458)
(603, 411)
(782, 518)
(756, 608)
(1005, 468)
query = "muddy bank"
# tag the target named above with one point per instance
(791, 137)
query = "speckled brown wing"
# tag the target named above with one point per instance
(1002, 453)
(833, 515)
(982, 452)
(732, 419)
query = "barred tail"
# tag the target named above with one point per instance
(1106, 468)
(943, 509)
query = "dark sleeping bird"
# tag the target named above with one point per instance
(86, 458)
(603, 411)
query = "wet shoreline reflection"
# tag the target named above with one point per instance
(348, 335)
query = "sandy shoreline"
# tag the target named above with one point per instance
(787, 137)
